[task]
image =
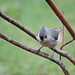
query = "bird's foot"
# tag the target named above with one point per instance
(37, 51)
(51, 58)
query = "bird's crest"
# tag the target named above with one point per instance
(42, 31)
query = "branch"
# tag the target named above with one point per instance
(42, 54)
(62, 19)
(65, 54)
(18, 25)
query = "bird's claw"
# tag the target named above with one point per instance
(37, 51)
(51, 58)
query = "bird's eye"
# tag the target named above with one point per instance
(45, 36)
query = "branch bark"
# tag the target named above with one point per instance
(65, 54)
(13, 22)
(42, 54)
(62, 19)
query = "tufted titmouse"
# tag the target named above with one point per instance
(48, 37)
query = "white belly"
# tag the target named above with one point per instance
(50, 44)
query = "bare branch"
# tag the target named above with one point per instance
(42, 54)
(65, 54)
(17, 25)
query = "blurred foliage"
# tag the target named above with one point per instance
(33, 14)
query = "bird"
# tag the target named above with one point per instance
(48, 37)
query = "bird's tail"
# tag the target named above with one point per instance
(58, 29)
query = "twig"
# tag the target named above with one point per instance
(42, 54)
(62, 37)
(33, 35)
(62, 19)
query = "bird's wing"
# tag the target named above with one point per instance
(57, 29)
(55, 34)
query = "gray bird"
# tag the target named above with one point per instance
(48, 37)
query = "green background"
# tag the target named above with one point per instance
(33, 14)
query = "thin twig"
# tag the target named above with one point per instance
(42, 54)
(62, 37)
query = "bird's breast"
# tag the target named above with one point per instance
(50, 43)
